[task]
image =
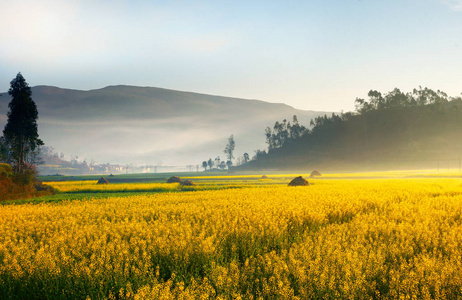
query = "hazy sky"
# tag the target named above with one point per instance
(312, 54)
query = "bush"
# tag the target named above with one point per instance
(6, 168)
(21, 186)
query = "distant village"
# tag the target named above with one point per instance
(53, 163)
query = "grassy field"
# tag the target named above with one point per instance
(393, 235)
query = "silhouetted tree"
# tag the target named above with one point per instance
(204, 165)
(229, 149)
(210, 163)
(229, 164)
(222, 165)
(376, 99)
(20, 133)
(246, 157)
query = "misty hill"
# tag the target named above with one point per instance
(422, 129)
(127, 124)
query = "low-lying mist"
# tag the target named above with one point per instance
(151, 126)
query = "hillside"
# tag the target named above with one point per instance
(379, 136)
(146, 125)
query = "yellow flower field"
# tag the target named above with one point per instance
(335, 239)
(92, 186)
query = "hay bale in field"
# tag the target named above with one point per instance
(187, 182)
(315, 173)
(102, 180)
(299, 181)
(111, 175)
(40, 187)
(174, 179)
(264, 177)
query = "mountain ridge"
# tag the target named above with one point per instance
(150, 125)
(110, 87)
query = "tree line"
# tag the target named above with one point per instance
(284, 132)
(396, 99)
(217, 163)
(423, 123)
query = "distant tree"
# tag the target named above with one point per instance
(210, 163)
(229, 149)
(204, 165)
(229, 164)
(296, 131)
(396, 98)
(277, 129)
(269, 138)
(20, 133)
(284, 132)
(259, 154)
(217, 161)
(363, 106)
(246, 157)
(376, 99)
(222, 165)
(427, 96)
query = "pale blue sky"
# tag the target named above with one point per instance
(317, 55)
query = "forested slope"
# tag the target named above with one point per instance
(422, 129)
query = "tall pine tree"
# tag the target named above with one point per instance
(20, 133)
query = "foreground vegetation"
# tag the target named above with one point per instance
(336, 239)
(21, 185)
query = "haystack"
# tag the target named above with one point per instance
(299, 181)
(187, 182)
(264, 177)
(103, 180)
(315, 173)
(174, 179)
